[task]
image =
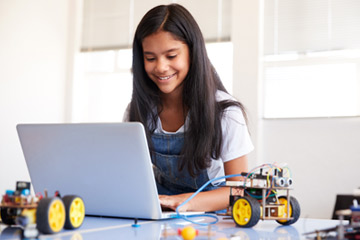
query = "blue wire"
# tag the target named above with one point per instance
(186, 217)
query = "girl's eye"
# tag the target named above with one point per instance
(149, 59)
(171, 56)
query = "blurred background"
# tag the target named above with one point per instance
(294, 64)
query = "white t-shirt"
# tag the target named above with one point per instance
(236, 138)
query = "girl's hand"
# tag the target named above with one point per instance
(173, 201)
(207, 201)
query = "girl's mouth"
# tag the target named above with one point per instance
(166, 77)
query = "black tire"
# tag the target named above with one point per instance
(294, 209)
(246, 212)
(50, 215)
(75, 211)
(8, 215)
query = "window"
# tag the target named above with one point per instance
(311, 90)
(312, 58)
(103, 86)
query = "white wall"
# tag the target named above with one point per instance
(323, 154)
(247, 43)
(33, 54)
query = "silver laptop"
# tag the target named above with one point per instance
(107, 164)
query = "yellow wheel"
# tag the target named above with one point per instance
(75, 211)
(50, 215)
(246, 211)
(294, 210)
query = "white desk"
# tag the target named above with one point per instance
(113, 228)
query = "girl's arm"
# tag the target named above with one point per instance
(210, 200)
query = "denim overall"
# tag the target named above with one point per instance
(165, 157)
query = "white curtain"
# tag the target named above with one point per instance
(311, 25)
(110, 24)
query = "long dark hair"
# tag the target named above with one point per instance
(203, 137)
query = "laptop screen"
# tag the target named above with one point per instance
(107, 164)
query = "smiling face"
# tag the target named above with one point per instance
(166, 61)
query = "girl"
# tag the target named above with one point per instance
(196, 131)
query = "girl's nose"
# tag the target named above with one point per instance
(162, 65)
